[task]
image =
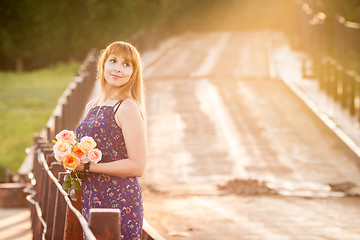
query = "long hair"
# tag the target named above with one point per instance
(134, 88)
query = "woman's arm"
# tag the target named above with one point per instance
(129, 119)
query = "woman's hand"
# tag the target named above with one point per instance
(80, 167)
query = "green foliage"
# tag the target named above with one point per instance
(77, 185)
(26, 103)
(72, 183)
(30, 30)
(66, 185)
(67, 178)
(73, 195)
(45, 32)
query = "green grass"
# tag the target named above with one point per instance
(26, 103)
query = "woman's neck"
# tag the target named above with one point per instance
(108, 94)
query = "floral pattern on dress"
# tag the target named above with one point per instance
(104, 191)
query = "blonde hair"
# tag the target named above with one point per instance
(134, 88)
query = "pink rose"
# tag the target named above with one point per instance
(66, 136)
(95, 155)
(87, 144)
(61, 149)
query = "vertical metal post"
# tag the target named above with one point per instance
(105, 223)
(60, 211)
(73, 229)
(55, 168)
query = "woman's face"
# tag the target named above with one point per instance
(117, 71)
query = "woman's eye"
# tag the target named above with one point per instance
(126, 64)
(112, 61)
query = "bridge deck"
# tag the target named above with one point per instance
(216, 113)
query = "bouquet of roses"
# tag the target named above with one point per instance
(70, 152)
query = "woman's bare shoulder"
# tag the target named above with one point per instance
(90, 104)
(128, 110)
(129, 104)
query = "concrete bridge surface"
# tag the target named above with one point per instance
(225, 132)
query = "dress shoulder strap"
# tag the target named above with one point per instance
(117, 105)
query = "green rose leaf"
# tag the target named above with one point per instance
(76, 185)
(66, 185)
(66, 178)
(73, 195)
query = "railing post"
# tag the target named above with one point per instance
(73, 229)
(35, 223)
(39, 189)
(49, 133)
(55, 168)
(323, 72)
(58, 122)
(43, 194)
(66, 112)
(60, 211)
(357, 95)
(105, 223)
(345, 89)
(72, 107)
(352, 96)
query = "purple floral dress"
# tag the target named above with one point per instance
(104, 191)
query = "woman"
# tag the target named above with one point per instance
(116, 122)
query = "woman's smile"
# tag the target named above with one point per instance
(115, 76)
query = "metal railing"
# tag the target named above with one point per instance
(50, 204)
(332, 44)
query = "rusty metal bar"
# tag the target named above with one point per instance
(55, 168)
(110, 230)
(59, 211)
(73, 229)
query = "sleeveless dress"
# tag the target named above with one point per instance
(104, 191)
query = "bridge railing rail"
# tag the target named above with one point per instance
(53, 214)
(332, 43)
